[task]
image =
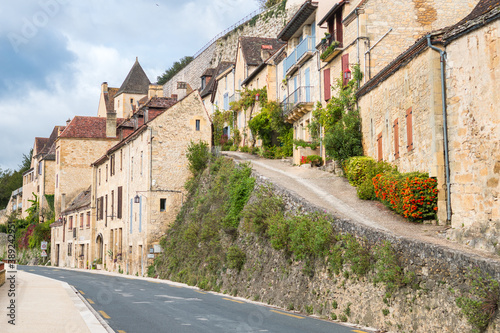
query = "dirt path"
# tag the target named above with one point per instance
(336, 196)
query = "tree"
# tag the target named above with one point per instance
(26, 163)
(176, 68)
(12, 180)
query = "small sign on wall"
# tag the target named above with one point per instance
(151, 256)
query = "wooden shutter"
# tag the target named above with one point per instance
(396, 138)
(409, 129)
(345, 66)
(328, 86)
(101, 210)
(339, 28)
(379, 147)
(119, 208)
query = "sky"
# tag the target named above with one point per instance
(54, 55)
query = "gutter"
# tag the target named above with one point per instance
(442, 55)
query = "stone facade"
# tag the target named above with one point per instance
(473, 95)
(410, 88)
(147, 172)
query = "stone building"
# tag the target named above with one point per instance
(39, 179)
(138, 184)
(404, 120)
(82, 141)
(72, 234)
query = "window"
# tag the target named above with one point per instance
(183, 85)
(379, 147)
(163, 204)
(396, 138)
(112, 204)
(226, 101)
(99, 176)
(39, 168)
(57, 157)
(132, 101)
(203, 82)
(131, 168)
(121, 160)
(225, 82)
(57, 181)
(88, 219)
(70, 227)
(106, 173)
(100, 208)
(119, 203)
(327, 86)
(112, 164)
(197, 124)
(174, 97)
(142, 161)
(345, 67)
(70, 246)
(409, 129)
(81, 221)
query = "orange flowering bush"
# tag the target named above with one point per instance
(413, 195)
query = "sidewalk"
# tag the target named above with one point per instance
(335, 195)
(45, 305)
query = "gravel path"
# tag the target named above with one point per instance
(335, 195)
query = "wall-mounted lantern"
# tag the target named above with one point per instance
(347, 74)
(137, 199)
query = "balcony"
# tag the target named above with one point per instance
(298, 104)
(329, 48)
(300, 55)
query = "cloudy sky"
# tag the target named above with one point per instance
(54, 55)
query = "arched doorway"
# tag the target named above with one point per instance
(99, 254)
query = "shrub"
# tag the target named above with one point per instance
(198, 156)
(278, 232)
(245, 149)
(310, 235)
(258, 213)
(387, 269)
(413, 195)
(481, 305)
(314, 159)
(358, 256)
(236, 258)
(357, 169)
(240, 188)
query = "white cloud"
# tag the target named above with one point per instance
(104, 37)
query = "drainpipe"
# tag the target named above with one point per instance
(370, 54)
(442, 55)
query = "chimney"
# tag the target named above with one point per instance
(146, 114)
(68, 121)
(155, 90)
(265, 51)
(111, 124)
(104, 87)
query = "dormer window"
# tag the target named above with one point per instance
(203, 82)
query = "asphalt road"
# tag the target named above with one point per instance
(134, 305)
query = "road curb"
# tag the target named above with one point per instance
(94, 312)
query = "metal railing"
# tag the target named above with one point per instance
(300, 95)
(231, 28)
(306, 45)
(329, 41)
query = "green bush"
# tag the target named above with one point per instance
(357, 169)
(278, 232)
(310, 235)
(258, 213)
(387, 268)
(315, 159)
(236, 258)
(198, 156)
(245, 149)
(240, 187)
(358, 256)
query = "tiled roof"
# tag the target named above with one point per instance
(87, 127)
(209, 72)
(484, 11)
(39, 145)
(160, 102)
(300, 17)
(82, 200)
(272, 60)
(252, 48)
(223, 65)
(109, 99)
(136, 82)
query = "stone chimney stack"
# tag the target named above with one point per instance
(265, 52)
(104, 87)
(68, 121)
(111, 124)
(155, 90)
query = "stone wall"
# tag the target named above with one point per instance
(267, 24)
(415, 87)
(473, 86)
(269, 277)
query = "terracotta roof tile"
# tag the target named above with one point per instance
(87, 127)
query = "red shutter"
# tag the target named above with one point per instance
(396, 138)
(409, 129)
(345, 66)
(328, 86)
(119, 208)
(339, 28)
(379, 145)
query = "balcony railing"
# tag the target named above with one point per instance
(299, 96)
(326, 43)
(306, 46)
